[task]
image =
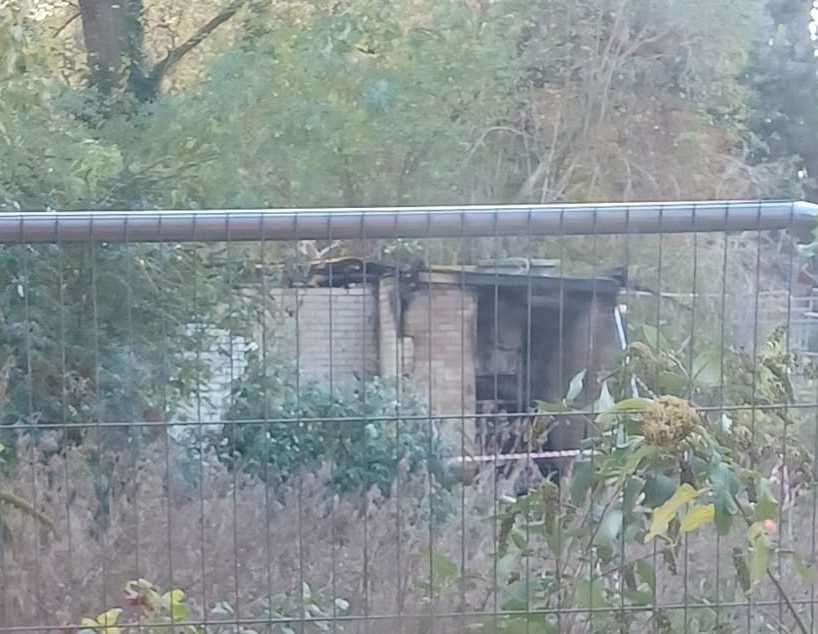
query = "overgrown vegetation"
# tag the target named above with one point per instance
(146, 104)
(251, 104)
(584, 556)
(368, 432)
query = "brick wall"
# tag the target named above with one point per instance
(328, 330)
(441, 324)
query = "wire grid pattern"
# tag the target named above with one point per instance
(310, 497)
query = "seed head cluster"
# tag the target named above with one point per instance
(668, 420)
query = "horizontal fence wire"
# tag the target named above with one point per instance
(541, 419)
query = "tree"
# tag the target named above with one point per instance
(784, 76)
(114, 35)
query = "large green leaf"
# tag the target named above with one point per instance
(655, 338)
(630, 406)
(725, 487)
(759, 557)
(766, 507)
(706, 369)
(664, 514)
(697, 516)
(658, 490)
(582, 476)
(635, 459)
(673, 383)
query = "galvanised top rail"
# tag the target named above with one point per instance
(407, 222)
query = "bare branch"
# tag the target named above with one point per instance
(58, 31)
(175, 56)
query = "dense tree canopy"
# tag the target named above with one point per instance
(149, 103)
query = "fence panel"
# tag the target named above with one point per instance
(524, 420)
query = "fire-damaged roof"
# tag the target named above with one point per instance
(520, 273)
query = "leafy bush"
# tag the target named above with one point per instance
(660, 469)
(280, 424)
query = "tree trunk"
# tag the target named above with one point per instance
(114, 43)
(104, 27)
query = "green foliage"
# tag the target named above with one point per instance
(97, 332)
(157, 611)
(368, 432)
(100, 333)
(445, 103)
(148, 609)
(657, 471)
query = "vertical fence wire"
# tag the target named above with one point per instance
(234, 496)
(302, 607)
(529, 421)
(493, 421)
(98, 415)
(333, 508)
(200, 434)
(589, 431)
(168, 436)
(461, 425)
(722, 412)
(658, 346)
(623, 627)
(782, 491)
(366, 421)
(25, 285)
(754, 386)
(558, 564)
(398, 316)
(64, 426)
(814, 518)
(691, 398)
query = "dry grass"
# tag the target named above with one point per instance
(231, 539)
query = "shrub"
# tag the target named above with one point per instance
(279, 424)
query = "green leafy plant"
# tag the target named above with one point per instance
(317, 613)
(657, 471)
(148, 609)
(366, 431)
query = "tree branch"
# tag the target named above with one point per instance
(66, 24)
(175, 56)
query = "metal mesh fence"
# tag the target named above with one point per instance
(524, 420)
